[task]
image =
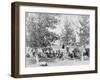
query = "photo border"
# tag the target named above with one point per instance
(15, 32)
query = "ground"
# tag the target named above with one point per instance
(67, 62)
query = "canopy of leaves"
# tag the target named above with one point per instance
(68, 36)
(37, 34)
(84, 30)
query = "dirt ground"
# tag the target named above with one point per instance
(57, 62)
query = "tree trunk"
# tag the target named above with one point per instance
(36, 56)
(82, 57)
(37, 59)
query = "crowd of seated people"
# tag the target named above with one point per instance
(76, 53)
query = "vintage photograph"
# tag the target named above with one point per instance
(54, 39)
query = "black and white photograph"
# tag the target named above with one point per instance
(55, 39)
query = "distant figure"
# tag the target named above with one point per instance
(33, 53)
(86, 52)
(67, 49)
(60, 55)
(71, 54)
(29, 51)
(63, 46)
(77, 54)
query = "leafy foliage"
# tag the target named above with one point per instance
(84, 30)
(68, 36)
(37, 34)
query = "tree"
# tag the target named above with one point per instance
(84, 30)
(84, 33)
(68, 38)
(37, 34)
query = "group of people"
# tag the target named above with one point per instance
(75, 53)
(51, 53)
